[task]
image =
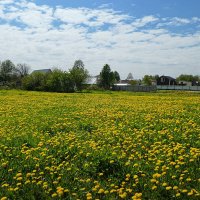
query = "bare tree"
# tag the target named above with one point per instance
(129, 77)
(22, 70)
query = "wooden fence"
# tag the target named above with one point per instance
(134, 88)
(140, 88)
(178, 87)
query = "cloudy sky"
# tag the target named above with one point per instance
(137, 36)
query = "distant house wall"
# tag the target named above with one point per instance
(153, 82)
(195, 83)
(92, 80)
(186, 83)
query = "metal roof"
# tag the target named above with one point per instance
(42, 71)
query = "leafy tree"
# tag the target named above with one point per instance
(54, 81)
(147, 79)
(7, 70)
(117, 76)
(78, 75)
(133, 82)
(78, 64)
(59, 81)
(68, 85)
(35, 81)
(188, 77)
(107, 77)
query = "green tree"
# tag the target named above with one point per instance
(59, 81)
(188, 77)
(78, 75)
(78, 64)
(7, 71)
(107, 77)
(133, 82)
(147, 79)
(117, 76)
(68, 85)
(54, 81)
(35, 81)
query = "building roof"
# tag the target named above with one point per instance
(122, 84)
(124, 81)
(168, 77)
(42, 71)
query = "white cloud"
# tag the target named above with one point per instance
(179, 21)
(58, 36)
(176, 21)
(143, 21)
(29, 14)
(5, 2)
(195, 19)
(95, 17)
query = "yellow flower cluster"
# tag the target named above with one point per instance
(99, 145)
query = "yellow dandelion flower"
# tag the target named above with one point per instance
(101, 191)
(4, 198)
(168, 188)
(164, 184)
(190, 193)
(178, 194)
(19, 174)
(27, 182)
(135, 176)
(154, 187)
(123, 195)
(19, 178)
(175, 188)
(54, 195)
(4, 164)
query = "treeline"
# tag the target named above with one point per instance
(57, 81)
(11, 75)
(69, 81)
(188, 78)
(75, 79)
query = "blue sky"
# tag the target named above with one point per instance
(137, 36)
(139, 8)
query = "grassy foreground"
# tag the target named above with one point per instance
(99, 146)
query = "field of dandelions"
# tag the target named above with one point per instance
(110, 146)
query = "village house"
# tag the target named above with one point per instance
(166, 80)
